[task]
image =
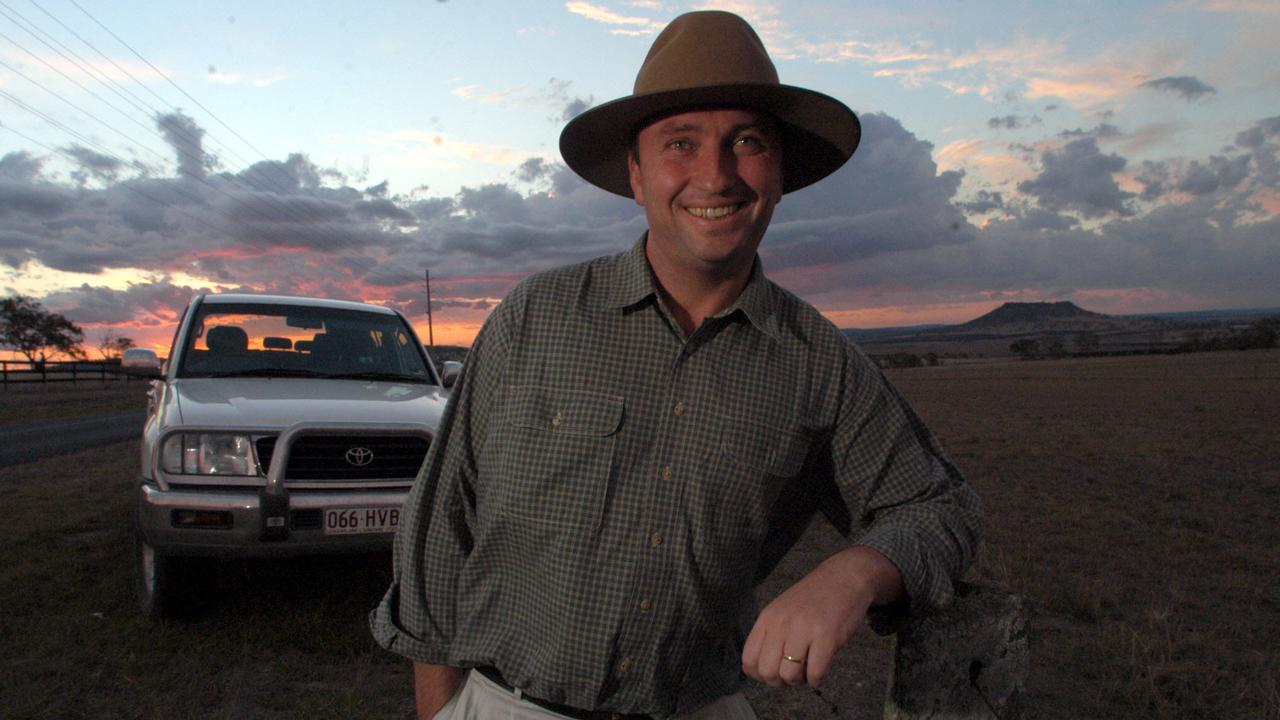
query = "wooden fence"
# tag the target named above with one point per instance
(20, 372)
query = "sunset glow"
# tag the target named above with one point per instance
(345, 153)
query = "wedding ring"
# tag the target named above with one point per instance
(788, 658)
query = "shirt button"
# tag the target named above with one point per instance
(625, 666)
(666, 473)
(679, 408)
(645, 604)
(557, 419)
(655, 539)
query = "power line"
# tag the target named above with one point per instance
(247, 166)
(167, 79)
(301, 215)
(108, 153)
(185, 154)
(125, 185)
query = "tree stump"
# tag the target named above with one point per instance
(967, 662)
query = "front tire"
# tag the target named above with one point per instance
(153, 579)
(169, 586)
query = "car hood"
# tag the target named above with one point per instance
(262, 403)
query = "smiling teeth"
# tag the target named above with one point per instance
(716, 212)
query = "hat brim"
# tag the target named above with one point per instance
(819, 133)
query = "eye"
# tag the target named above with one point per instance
(749, 143)
(680, 144)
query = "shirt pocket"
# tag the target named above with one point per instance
(731, 502)
(555, 455)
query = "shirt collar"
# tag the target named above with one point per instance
(758, 303)
(630, 281)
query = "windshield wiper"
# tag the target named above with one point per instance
(372, 375)
(266, 372)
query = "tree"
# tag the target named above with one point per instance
(1086, 341)
(26, 327)
(112, 345)
(1054, 348)
(1026, 348)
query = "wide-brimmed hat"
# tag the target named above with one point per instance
(705, 60)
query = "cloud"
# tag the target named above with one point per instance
(889, 228)
(984, 201)
(1254, 137)
(1079, 178)
(1188, 87)
(186, 138)
(93, 165)
(621, 24)
(1102, 131)
(1008, 122)
(20, 166)
(1218, 173)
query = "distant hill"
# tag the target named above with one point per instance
(1021, 319)
(1037, 314)
(1065, 322)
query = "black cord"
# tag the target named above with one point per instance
(975, 669)
(835, 709)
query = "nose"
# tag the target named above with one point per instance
(716, 170)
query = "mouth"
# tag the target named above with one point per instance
(713, 213)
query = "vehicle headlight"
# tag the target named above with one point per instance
(208, 454)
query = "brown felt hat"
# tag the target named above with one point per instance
(705, 60)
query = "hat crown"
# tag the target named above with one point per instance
(704, 49)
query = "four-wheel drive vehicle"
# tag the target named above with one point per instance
(280, 426)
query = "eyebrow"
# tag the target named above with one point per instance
(684, 127)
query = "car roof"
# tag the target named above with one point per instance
(249, 298)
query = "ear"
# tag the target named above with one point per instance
(633, 172)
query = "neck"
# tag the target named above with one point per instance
(694, 294)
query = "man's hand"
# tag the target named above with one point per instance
(814, 618)
(434, 686)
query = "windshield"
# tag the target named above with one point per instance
(273, 340)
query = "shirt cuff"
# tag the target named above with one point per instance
(926, 587)
(384, 622)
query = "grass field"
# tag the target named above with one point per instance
(1134, 502)
(28, 402)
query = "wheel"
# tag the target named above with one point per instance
(152, 578)
(169, 586)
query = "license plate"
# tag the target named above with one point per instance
(358, 521)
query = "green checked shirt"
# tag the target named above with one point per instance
(605, 493)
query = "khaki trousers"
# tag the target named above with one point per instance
(481, 699)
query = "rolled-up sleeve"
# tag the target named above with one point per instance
(907, 500)
(417, 617)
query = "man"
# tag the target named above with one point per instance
(638, 439)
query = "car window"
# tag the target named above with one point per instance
(300, 341)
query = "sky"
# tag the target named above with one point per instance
(1123, 156)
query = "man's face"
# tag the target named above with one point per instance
(708, 181)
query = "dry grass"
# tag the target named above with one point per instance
(1134, 502)
(29, 402)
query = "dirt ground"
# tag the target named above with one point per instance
(1134, 503)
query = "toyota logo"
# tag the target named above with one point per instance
(359, 456)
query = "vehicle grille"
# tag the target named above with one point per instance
(325, 457)
(306, 519)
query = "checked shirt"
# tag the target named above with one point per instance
(605, 493)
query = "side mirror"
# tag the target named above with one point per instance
(451, 371)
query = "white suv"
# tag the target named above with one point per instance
(280, 426)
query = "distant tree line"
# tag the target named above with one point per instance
(1262, 333)
(26, 327)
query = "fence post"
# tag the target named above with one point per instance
(967, 662)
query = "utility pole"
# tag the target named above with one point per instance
(431, 333)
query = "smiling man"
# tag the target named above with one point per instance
(637, 440)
